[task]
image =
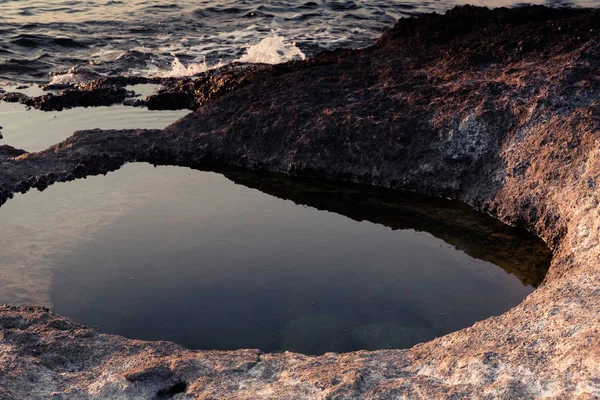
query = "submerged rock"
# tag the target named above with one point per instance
(388, 335)
(498, 109)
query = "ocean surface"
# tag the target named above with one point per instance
(67, 40)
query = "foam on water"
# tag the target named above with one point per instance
(43, 39)
(273, 50)
(71, 77)
(177, 70)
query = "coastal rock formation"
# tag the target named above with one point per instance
(498, 109)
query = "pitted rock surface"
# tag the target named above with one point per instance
(498, 109)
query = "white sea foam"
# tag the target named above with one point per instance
(64, 79)
(272, 50)
(177, 70)
(73, 76)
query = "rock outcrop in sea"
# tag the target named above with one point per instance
(496, 108)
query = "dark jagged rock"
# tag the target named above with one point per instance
(175, 97)
(133, 102)
(14, 97)
(192, 93)
(174, 93)
(94, 81)
(103, 96)
(498, 109)
(9, 152)
(93, 97)
(94, 93)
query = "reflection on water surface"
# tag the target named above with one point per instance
(171, 253)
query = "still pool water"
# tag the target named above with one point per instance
(237, 260)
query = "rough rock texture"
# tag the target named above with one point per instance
(93, 93)
(498, 109)
(173, 93)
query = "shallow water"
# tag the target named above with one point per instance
(36, 130)
(160, 38)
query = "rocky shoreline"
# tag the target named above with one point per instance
(498, 109)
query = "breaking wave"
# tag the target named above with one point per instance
(273, 50)
(67, 42)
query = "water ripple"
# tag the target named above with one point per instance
(152, 34)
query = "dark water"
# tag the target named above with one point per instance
(175, 38)
(192, 257)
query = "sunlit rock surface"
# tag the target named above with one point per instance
(498, 109)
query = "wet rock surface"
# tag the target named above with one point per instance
(96, 93)
(173, 93)
(498, 109)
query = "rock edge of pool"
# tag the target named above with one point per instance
(498, 109)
